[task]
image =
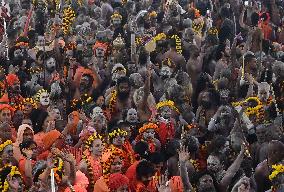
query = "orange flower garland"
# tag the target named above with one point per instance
(148, 126)
(113, 101)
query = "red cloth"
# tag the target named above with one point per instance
(166, 132)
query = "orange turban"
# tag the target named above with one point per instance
(50, 138)
(176, 184)
(100, 45)
(11, 79)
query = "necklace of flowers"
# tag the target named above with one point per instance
(112, 101)
(86, 157)
(14, 171)
(85, 99)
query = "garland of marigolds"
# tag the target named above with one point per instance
(112, 101)
(86, 157)
(278, 169)
(168, 103)
(5, 144)
(178, 43)
(4, 185)
(68, 18)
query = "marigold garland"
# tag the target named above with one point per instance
(85, 157)
(213, 31)
(115, 152)
(91, 139)
(168, 103)
(178, 43)
(38, 94)
(116, 15)
(5, 144)
(117, 132)
(68, 18)
(4, 186)
(21, 106)
(257, 110)
(277, 170)
(148, 126)
(58, 169)
(197, 28)
(85, 99)
(153, 14)
(160, 36)
(112, 101)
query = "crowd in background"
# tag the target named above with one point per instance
(141, 96)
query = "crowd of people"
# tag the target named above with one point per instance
(141, 96)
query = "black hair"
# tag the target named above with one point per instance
(38, 117)
(124, 79)
(249, 57)
(171, 148)
(225, 12)
(254, 19)
(90, 77)
(156, 158)
(199, 175)
(220, 51)
(217, 143)
(26, 145)
(191, 143)
(142, 149)
(144, 169)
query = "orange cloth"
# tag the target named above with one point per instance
(81, 183)
(176, 184)
(78, 74)
(95, 165)
(38, 138)
(22, 163)
(50, 138)
(101, 186)
(266, 30)
(72, 128)
(129, 155)
(136, 185)
(117, 180)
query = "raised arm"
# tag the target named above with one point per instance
(230, 173)
(183, 158)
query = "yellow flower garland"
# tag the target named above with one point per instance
(178, 43)
(14, 171)
(213, 31)
(68, 18)
(112, 101)
(277, 170)
(117, 132)
(91, 139)
(21, 106)
(148, 126)
(251, 110)
(160, 36)
(116, 15)
(85, 99)
(168, 103)
(38, 94)
(197, 28)
(5, 144)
